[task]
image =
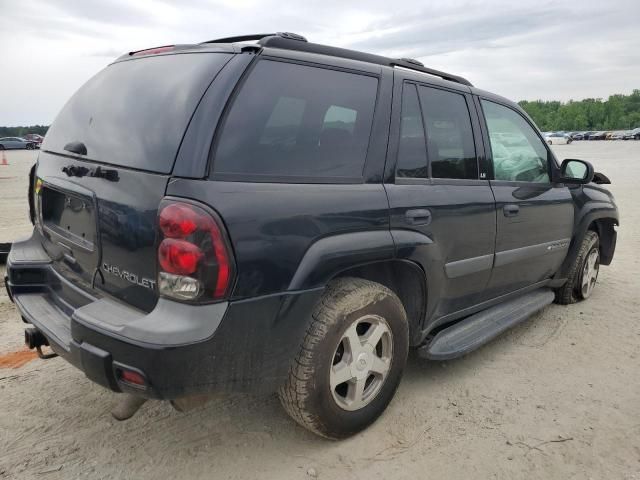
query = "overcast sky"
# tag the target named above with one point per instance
(520, 49)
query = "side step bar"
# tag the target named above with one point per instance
(478, 329)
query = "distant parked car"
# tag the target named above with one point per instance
(558, 138)
(577, 136)
(618, 135)
(12, 143)
(598, 136)
(633, 134)
(585, 135)
(35, 138)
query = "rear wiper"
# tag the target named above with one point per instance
(76, 147)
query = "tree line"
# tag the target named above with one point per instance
(618, 112)
(20, 131)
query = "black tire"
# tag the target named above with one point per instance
(549, 142)
(571, 292)
(1, 147)
(307, 395)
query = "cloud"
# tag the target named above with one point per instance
(522, 50)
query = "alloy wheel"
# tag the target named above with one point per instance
(361, 362)
(590, 273)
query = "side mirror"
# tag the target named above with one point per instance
(576, 171)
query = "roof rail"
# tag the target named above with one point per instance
(293, 41)
(258, 37)
(412, 64)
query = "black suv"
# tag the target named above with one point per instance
(286, 216)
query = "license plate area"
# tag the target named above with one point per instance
(69, 216)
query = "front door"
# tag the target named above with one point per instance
(435, 193)
(534, 215)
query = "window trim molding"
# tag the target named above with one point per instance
(273, 178)
(442, 181)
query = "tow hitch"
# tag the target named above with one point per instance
(33, 338)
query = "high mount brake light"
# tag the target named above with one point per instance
(194, 257)
(152, 51)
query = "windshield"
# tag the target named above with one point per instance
(134, 113)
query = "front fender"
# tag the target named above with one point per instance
(592, 204)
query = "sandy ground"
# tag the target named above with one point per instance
(557, 397)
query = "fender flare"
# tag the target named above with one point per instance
(331, 255)
(590, 212)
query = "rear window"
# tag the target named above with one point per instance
(293, 120)
(134, 113)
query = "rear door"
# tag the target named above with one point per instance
(534, 215)
(105, 165)
(436, 191)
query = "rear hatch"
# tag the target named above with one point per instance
(104, 168)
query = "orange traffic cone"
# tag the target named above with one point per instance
(4, 159)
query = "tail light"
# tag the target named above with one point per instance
(195, 263)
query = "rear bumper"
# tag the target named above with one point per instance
(180, 349)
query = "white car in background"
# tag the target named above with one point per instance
(558, 138)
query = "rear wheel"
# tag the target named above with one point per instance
(1, 147)
(584, 272)
(549, 142)
(351, 359)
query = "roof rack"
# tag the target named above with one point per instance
(258, 37)
(412, 64)
(293, 41)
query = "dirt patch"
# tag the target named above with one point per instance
(17, 359)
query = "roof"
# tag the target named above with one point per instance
(295, 42)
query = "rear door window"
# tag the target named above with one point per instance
(450, 142)
(412, 150)
(292, 120)
(135, 112)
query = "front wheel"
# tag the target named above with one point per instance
(350, 361)
(549, 142)
(584, 272)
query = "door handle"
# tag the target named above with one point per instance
(511, 210)
(419, 216)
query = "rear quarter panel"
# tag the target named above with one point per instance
(272, 225)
